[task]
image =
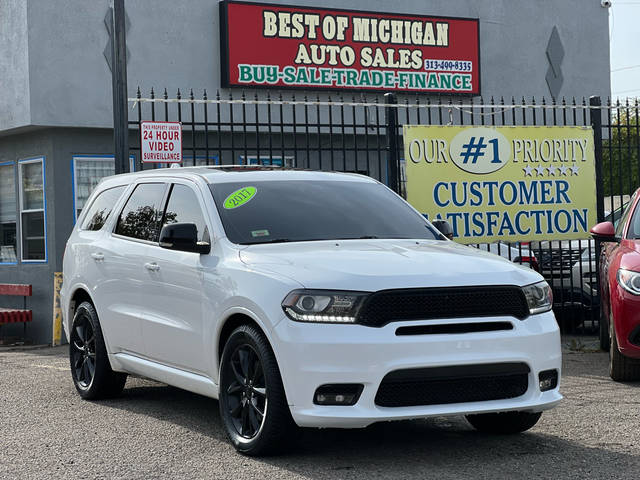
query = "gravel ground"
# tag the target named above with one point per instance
(156, 431)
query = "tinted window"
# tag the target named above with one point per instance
(274, 211)
(183, 207)
(101, 208)
(634, 224)
(140, 217)
(622, 221)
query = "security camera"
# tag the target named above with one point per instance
(605, 3)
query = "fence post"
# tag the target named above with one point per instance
(595, 115)
(391, 117)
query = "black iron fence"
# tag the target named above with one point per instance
(363, 134)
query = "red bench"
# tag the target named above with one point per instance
(16, 315)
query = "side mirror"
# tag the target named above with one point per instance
(444, 228)
(182, 237)
(605, 232)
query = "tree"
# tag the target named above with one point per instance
(143, 223)
(621, 152)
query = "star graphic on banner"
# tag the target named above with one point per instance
(552, 170)
(540, 171)
(563, 170)
(574, 170)
(527, 170)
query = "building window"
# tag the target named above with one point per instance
(87, 172)
(8, 244)
(32, 210)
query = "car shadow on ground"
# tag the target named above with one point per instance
(438, 447)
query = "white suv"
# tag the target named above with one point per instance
(301, 298)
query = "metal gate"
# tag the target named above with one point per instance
(363, 134)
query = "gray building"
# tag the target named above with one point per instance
(56, 103)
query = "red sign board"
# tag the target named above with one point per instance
(161, 142)
(282, 46)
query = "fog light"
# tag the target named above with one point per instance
(548, 380)
(338, 394)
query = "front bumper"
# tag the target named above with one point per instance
(626, 314)
(311, 355)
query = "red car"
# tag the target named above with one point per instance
(620, 291)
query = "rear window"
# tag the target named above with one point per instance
(100, 208)
(296, 211)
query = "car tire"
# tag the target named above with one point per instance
(90, 368)
(252, 401)
(621, 368)
(605, 341)
(504, 422)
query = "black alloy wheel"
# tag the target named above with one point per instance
(83, 352)
(90, 368)
(253, 405)
(247, 399)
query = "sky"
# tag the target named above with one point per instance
(624, 31)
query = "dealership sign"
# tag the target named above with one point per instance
(280, 46)
(161, 142)
(503, 183)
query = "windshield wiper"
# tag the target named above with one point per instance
(364, 237)
(285, 240)
(275, 240)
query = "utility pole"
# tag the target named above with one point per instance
(119, 88)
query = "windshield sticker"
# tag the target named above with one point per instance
(259, 233)
(239, 197)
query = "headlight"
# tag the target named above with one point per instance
(323, 306)
(629, 280)
(539, 297)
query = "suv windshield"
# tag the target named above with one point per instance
(306, 210)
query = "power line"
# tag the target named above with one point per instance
(625, 68)
(627, 91)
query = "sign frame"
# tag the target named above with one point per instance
(142, 160)
(225, 70)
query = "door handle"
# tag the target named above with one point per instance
(152, 266)
(98, 257)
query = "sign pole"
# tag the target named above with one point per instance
(391, 115)
(119, 88)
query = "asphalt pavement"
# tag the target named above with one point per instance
(155, 431)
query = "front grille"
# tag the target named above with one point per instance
(459, 384)
(454, 328)
(388, 306)
(559, 260)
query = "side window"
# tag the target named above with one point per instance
(619, 225)
(183, 207)
(140, 217)
(634, 225)
(101, 208)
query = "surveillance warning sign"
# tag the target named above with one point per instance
(279, 46)
(161, 142)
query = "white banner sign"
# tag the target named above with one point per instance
(161, 142)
